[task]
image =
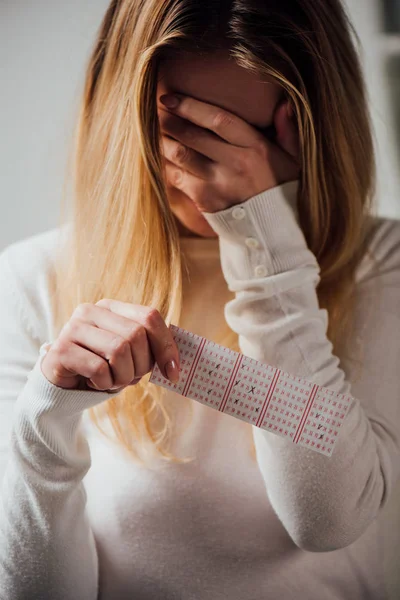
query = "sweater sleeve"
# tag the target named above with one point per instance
(324, 503)
(47, 549)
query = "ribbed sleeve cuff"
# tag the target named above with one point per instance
(262, 234)
(39, 396)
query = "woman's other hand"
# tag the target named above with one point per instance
(218, 160)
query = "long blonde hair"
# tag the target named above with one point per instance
(122, 238)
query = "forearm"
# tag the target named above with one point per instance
(324, 503)
(47, 549)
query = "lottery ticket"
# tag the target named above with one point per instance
(262, 395)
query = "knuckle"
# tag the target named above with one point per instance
(222, 120)
(181, 153)
(177, 178)
(73, 326)
(153, 318)
(58, 371)
(99, 368)
(82, 310)
(60, 347)
(239, 163)
(137, 334)
(119, 347)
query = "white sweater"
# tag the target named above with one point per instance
(80, 521)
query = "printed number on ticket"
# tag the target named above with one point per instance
(262, 395)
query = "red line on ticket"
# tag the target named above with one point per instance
(286, 405)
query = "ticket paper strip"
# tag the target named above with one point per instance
(264, 396)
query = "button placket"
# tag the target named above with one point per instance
(260, 270)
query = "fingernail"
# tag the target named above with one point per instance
(169, 100)
(91, 384)
(172, 371)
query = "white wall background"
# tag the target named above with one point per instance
(43, 48)
(376, 48)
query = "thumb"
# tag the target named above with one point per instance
(287, 136)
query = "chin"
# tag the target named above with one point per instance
(199, 228)
(190, 221)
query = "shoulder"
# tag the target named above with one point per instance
(34, 251)
(26, 268)
(383, 251)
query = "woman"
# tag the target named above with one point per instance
(244, 214)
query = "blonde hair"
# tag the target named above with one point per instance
(122, 238)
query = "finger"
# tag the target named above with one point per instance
(122, 328)
(225, 124)
(199, 139)
(201, 193)
(75, 360)
(180, 179)
(162, 342)
(181, 155)
(113, 347)
(287, 136)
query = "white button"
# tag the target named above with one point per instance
(252, 242)
(260, 271)
(238, 213)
